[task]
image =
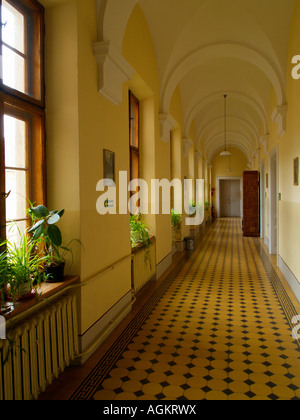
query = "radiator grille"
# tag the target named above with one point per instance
(38, 350)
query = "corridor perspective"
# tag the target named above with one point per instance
(150, 156)
(218, 330)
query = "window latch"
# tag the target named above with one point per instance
(6, 195)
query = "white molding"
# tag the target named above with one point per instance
(113, 71)
(198, 156)
(187, 144)
(167, 123)
(264, 140)
(112, 318)
(163, 266)
(279, 117)
(290, 278)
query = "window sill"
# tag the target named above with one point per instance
(44, 292)
(139, 247)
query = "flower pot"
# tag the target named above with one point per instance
(24, 292)
(55, 273)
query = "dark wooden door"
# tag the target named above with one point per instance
(251, 224)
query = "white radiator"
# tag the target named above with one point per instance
(143, 267)
(38, 350)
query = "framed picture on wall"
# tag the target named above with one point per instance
(296, 172)
(109, 164)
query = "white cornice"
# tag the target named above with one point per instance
(187, 144)
(113, 70)
(279, 117)
(167, 123)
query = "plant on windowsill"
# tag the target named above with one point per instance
(139, 235)
(4, 272)
(25, 268)
(49, 240)
(176, 220)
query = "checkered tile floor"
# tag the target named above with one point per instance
(219, 332)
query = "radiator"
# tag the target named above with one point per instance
(143, 267)
(38, 350)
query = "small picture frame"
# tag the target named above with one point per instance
(109, 165)
(296, 172)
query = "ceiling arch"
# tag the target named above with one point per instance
(210, 47)
(214, 97)
(220, 51)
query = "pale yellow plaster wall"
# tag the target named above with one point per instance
(139, 52)
(289, 149)
(62, 125)
(220, 166)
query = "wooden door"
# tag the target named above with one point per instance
(251, 224)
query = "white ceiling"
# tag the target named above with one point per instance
(208, 48)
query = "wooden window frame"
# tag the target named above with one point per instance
(134, 150)
(27, 107)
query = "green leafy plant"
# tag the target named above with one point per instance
(45, 231)
(139, 235)
(139, 231)
(24, 266)
(176, 220)
(4, 272)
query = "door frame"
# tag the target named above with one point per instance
(229, 178)
(262, 199)
(273, 205)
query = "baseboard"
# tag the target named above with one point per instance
(290, 278)
(102, 329)
(163, 266)
(266, 241)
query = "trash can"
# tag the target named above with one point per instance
(190, 243)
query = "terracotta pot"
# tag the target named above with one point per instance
(25, 292)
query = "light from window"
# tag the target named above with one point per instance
(16, 171)
(13, 48)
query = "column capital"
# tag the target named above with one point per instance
(113, 71)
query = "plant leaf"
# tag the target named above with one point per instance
(55, 235)
(40, 211)
(53, 219)
(36, 226)
(38, 232)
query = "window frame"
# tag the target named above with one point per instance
(34, 52)
(28, 108)
(134, 150)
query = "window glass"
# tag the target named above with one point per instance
(13, 48)
(13, 27)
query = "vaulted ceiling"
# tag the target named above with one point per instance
(211, 47)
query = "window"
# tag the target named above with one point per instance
(22, 156)
(134, 137)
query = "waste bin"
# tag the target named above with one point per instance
(190, 243)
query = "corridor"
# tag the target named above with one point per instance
(219, 330)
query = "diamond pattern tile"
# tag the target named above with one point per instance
(220, 330)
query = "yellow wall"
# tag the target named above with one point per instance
(220, 167)
(289, 149)
(62, 121)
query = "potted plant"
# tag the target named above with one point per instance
(49, 238)
(4, 269)
(139, 235)
(176, 220)
(24, 272)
